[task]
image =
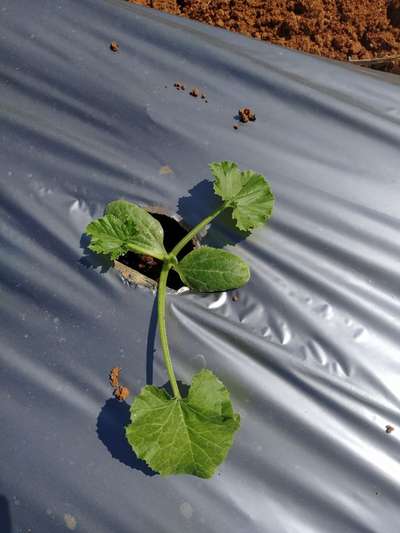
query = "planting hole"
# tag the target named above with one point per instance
(151, 267)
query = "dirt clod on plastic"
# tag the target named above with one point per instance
(121, 393)
(114, 376)
(114, 46)
(246, 115)
(389, 428)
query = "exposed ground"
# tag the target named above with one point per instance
(339, 29)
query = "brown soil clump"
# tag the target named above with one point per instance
(114, 376)
(114, 46)
(339, 29)
(246, 115)
(121, 393)
(179, 86)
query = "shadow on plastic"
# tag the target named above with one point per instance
(151, 339)
(5, 517)
(203, 201)
(91, 260)
(111, 423)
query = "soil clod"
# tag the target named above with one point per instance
(179, 86)
(389, 428)
(246, 115)
(114, 46)
(121, 393)
(114, 376)
(146, 263)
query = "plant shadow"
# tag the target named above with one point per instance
(183, 388)
(151, 339)
(5, 517)
(111, 422)
(203, 201)
(90, 259)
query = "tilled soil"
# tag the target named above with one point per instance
(339, 29)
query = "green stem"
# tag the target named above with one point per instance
(142, 251)
(192, 233)
(161, 295)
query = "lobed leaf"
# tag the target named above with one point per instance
(247, 192)
(209, 270)
(126, 226)
(110, 236)
(184, 436)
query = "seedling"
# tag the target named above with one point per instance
(190, 435)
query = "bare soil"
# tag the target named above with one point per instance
(339, 29)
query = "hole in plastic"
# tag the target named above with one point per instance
(145, 270)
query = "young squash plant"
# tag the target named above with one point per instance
(172, 434)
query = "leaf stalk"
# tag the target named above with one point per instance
(193, 232)
(168, 263)
(161, 300)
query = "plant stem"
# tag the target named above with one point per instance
(192, 233)
(161, 295)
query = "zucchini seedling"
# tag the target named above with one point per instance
(172, 434)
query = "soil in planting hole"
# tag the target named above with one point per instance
(151, 267)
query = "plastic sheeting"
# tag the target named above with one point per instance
(310, 350)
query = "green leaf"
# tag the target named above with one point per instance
(247, 192)
(124, 227)
(184, 436)
(209, 270)
(228, 181)
(110, 236)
